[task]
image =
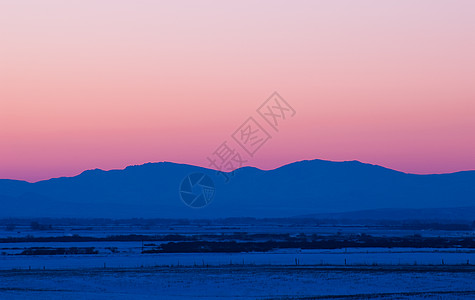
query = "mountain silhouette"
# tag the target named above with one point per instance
(301, 188)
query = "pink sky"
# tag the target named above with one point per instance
(106, 84)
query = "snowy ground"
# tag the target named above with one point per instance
(242, 282)
(356, 256)
(351, 273)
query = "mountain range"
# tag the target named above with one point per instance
(301, 188)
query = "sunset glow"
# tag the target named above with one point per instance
(114, 83)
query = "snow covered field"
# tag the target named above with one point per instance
(237, 282)
(359, 256)
(120, 269)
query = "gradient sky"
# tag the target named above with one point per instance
(106, 84)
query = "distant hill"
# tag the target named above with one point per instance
(305, 187)
(399, 214)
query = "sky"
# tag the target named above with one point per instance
(107, 84)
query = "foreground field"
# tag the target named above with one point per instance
(235, 259)
(243, 282)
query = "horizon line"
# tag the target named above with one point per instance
(261, 169)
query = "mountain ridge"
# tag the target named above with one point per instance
(244, 167)
(303, 187)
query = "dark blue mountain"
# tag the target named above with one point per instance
(307, 187)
